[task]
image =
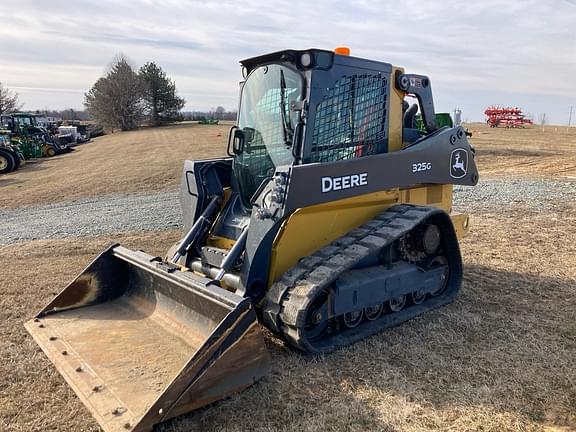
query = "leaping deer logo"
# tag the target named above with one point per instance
(458, 163)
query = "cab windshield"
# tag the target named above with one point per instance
(26, 121)
(267, 123)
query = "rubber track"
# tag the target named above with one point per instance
(285, 306)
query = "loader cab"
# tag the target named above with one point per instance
(265, 135)
(304, 107)
(7, 123)
(27, 123)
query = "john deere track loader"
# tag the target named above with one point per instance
(329, 220)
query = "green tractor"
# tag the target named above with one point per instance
(28, 145)
(33, 140)
(11, 158)
(442, 119)
(208, 121)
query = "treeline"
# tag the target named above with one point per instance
(125, 98)
(216, 114)
(66, 114)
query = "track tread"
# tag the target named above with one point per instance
(286, 303)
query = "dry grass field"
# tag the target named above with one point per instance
(501, 358)
(124, 162)
(526, 152)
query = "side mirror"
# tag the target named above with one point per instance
(235, 141)
(238, 141)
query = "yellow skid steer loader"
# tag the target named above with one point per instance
(329, 220)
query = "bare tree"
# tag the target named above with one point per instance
(115, 100)
(220, 111)
(8, 100)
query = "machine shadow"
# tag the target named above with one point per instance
(5, 181)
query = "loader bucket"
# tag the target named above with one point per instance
(141, 341)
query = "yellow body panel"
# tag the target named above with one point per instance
(395, 114)
(461, 222)
(310, 228)
(220, 242)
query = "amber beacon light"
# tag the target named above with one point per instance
(342, 51)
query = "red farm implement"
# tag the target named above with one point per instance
(509, 117)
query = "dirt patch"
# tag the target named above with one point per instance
(528, 152)
(146, 160)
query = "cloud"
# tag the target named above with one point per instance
(519, 50)
(119, 39)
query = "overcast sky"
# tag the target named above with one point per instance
(513, 52)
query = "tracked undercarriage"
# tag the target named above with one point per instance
(328, 299)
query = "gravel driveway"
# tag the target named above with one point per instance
(161, 211)
(92, 216)
(513, 195)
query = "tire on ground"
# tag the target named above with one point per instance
(17, 160)
(7, 162)
(49, 151)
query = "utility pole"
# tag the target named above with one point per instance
(542, 120)
(570, 116)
